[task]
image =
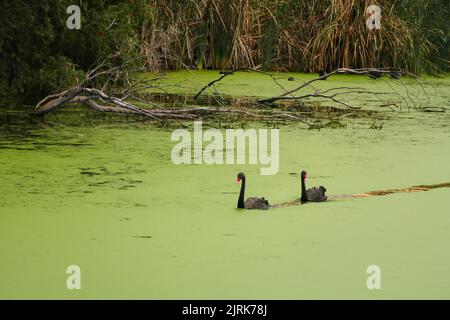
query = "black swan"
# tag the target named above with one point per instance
(250, 203)
(312, 194)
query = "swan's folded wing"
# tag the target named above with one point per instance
(256, 203)
(316, 194)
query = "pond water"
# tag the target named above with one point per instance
(102, 193)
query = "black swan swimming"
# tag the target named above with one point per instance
(312, 194)
(250, 203)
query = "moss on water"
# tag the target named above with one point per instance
(105, 196)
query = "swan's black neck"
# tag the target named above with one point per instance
(304, 197)
(240, 203)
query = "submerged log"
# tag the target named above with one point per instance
(54, 101)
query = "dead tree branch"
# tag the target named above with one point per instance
(108, 87)
(375, 73)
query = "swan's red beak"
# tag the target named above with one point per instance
(306, 177)
(238, 180)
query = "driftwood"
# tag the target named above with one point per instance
(88, 97)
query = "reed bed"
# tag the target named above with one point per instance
(286, 35)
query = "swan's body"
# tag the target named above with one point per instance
(256, 203)
(313, 194)
(250, 203)
(316, 194)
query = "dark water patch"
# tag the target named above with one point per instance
(130, 181)
(96, 184)
(142, 237)
(18, 148)
(103, 177)
(126, 187)
(89, 173)
(19, 144)
(70, 144)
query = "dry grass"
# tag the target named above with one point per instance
(280, 35)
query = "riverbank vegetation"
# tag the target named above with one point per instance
(40, 55)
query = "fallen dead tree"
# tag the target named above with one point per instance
(108, 88)
(90, 97)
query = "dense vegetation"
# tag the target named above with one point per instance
(39, 54)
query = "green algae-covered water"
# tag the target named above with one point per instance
(102, 193)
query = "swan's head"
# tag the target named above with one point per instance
(240, 176)
(304, 175)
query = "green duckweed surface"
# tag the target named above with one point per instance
(102, 193)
